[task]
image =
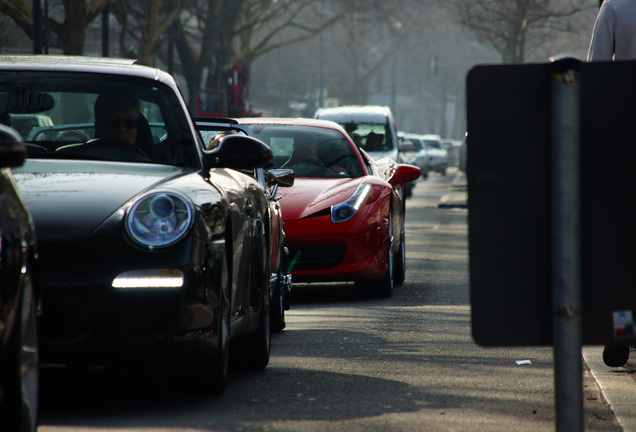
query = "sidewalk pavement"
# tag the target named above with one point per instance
(618, 385)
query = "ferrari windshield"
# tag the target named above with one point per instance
(310, 151)
(100, 117)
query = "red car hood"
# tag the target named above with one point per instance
(312, 195)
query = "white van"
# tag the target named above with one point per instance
(371, 127)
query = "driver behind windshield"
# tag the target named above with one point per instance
(116, 116)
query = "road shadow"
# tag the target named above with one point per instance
(329, 293)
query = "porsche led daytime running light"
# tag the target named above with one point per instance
(344, 211)
(156, 278)
(159, 219)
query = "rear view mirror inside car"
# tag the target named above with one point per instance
(22, 101)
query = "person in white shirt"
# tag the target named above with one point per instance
(614, 38)
(614, 33)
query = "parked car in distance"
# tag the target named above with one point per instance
(417, 149)
(280, 285)
(344, 215)
(452, 151)
(434, 156)
(372, 128)
(153, 249)
(19, 296)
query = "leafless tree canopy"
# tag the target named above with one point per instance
(410, 54)
(510, 25)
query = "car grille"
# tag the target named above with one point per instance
(314, 257)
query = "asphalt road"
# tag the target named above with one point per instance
(348, 363)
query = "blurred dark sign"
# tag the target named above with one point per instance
(509, 187)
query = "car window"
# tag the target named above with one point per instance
(433, 144)
(334, 153)
(55, 113)
(209, 134)
(417, 145)
(371, 137)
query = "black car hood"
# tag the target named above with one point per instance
(68, 200)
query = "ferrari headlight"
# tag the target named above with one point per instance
(344, 211)
(159, 219)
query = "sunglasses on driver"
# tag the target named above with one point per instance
(114, 122)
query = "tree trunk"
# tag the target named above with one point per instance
(73, 32)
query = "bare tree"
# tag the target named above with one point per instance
(70, 32)
(213, 34)
(510, 25)
(144, 24)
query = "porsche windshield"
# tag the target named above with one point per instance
(99, 117)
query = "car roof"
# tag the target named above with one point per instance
(355, 113)
(107, 65)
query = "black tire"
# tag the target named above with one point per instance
(220, 366)
(211, 368)
(615, 355)
(277, 307)
(408, 190)
(384, 286)
(19, 404)
(256, 347)
(399, 266)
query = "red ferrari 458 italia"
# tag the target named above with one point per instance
(344, 215)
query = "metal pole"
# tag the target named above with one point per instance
(393, 77)
(566, 258)
(321, 57)
(37, 27)
(106, 30)
(45, 33)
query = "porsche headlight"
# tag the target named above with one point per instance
(159, 219)
(344, 211)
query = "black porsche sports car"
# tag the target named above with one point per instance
(19, 294)
(211, 131)
(151, 246)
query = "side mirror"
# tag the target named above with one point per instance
(239, 152)
(281, 177)
(12, 149)
(404, 173)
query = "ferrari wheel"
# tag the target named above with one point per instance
(384, 287)
(399, 268)
(19, 403)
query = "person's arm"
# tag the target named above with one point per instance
(602, 42)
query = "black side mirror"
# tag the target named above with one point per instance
(239, 152)
(281, 177)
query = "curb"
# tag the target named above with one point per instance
(456, 199)
(617, 385)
